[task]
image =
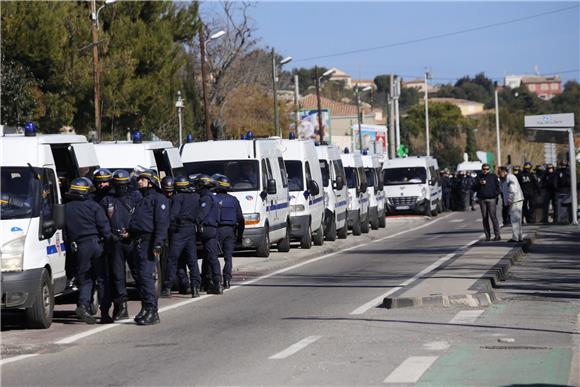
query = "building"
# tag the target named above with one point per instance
(467, 107)
(362, 83)
(544, 86)
(341, 76)
(419, 85)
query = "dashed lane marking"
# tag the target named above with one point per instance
(294, 348)
(466, 316)
(456, 220)
(437, 345)
(411, 370)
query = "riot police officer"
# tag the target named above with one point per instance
(530, 188)
(208, 221)
(86, 227)
(446, 188)
(182, 241)
(119, 208)
(231, 223)
(550, 193)
(148, 229)
(102, 180)
(540, 173)
(563, 213)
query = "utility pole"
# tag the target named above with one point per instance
(397, 120)
(179, 106)
(96, 69)
(358, 119)
(427, 77)
(206, 122)
(392, 141)
(318, 102)
(275, 87)
(296, 102)
(497, 130)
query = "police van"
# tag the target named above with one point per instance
(358, 198)
(259, 181)
(372, 166)
(306, 195)
(335, 191)
(412, 185)
(36, 171)
(161, 156)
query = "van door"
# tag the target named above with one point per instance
(72, 161)
(282, 194)
(174, 161)
(55, 248)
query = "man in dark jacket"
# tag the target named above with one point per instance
(488, 190)
(550, 193)
(446, 188)
(563, 210)
(530, 188)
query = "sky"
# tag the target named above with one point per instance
(305, 30)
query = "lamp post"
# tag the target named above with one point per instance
(275, 87)
(202, 43)
(319, 80)
(96, 67)
(427, 77)
(497, 130)
(179, 105)
(358, 115)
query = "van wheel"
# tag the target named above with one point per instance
(331, 232)
(382, 220)
(343, 232)
(39, 315)
(263, 249)
(319, 236)
(375, 222)
(356, 225)
(364, 226)
(306, 240)
(284, 244)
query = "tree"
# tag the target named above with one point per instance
(307, 78)
(383, 83)
(19, 91)
(471, 144)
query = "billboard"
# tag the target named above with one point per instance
(372, 136)
(308, 127)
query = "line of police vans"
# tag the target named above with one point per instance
(289, 190)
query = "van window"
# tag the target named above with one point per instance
(325, 172)
(307, 169)
(48, 196)
(269, 169)
(338, 169)
(283, 172)
(433, 174)
(380, 184)
(295, 177)
(362, 176)
(351, 177)
(244, 174)
(19, 198)
(264, 175)
(408, 175)
(370, 176)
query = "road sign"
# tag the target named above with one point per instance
(550, 121)
(546, 135)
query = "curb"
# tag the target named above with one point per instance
(484, 294)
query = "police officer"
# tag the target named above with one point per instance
(102, 180)
(86, 227)
(540, 173)
(119, 208)
(446, 187)
(563, 214)
(208, 221)
(550, 193)
(231, 223)
(182, 242)
(531, 189)
(148, 229)
(516, 170)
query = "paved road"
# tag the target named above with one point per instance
(314, 323)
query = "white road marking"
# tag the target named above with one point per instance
(16, 358)
(466, 316)
(437, 345)
(434, 237)
(379, 300)
(411, 370)
(291, 350)
(74, 338)
(478, 220)
(457, 220)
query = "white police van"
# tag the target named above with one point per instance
(161, 156)
(335, 191)
(259, 181)
(36, 171)
(306, 195)
(372, 166)
(358, 198)
(412, 185)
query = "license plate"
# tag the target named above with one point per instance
(403, 207)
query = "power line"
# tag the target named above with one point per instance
(438, 36)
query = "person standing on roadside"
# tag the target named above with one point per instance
(446, 187)
(513, 198)
(487, 188)
(531, 189)
(550, 194)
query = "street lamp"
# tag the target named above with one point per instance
(427, 77)
(319, 80)
(202, 43)
(275, 87)
(497, 139)
(357, 91)
(96, 68)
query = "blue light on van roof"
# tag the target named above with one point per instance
(292, 136)
(30, 129)
(189, 138)
(249, 135)
(136, 137)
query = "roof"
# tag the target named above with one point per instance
(339, 109)
(540, 78)
(455, 101)
(339, 73)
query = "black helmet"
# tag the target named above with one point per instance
(152, 176)
(182, 184)
(222, 182)
(516, 168)
(540, 167)
(81, 186)
(102, 175)
(168, 184)
(121, 177)
(563, 163)
(194, 180)
(527, 165)
(206, 181)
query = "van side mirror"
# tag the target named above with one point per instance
(313, 188)
(48, 228)
(431, 181)
(339, 183)
(271, 187)
(58, 216)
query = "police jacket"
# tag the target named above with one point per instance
(488, 190)
(529, 184)
(151, 216)
(85, 218)
(446, 183)
(230, 211)
(208, 209)
(562, 180)
(467, 184)
(184, 210)
(119, 208)
(551, 182)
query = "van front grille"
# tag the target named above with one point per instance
(403, 200)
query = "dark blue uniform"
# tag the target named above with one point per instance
(148, 229)
(208, 219)
(119, 209)
(231, 223)
(182, 242)
(86, 226)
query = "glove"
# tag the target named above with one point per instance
(157, 251)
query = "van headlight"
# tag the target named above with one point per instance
(11, 255)
(251, 219)
(297, 207)
(422, 195)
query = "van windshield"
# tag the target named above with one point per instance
(325, 172)
(295, 179)
(370, 177)
(19, 195)
(409, 175)
(350, 177)
(244, 174)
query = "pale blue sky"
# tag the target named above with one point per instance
(307, 29)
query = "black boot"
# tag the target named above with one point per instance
(205, 285)
(105, 317)
(216, 289)
(185, 290)
(166, 293)
(195, 292)
(120, 311)
(140, 315)
(151, 317)
(226, 284)
(83, 314)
